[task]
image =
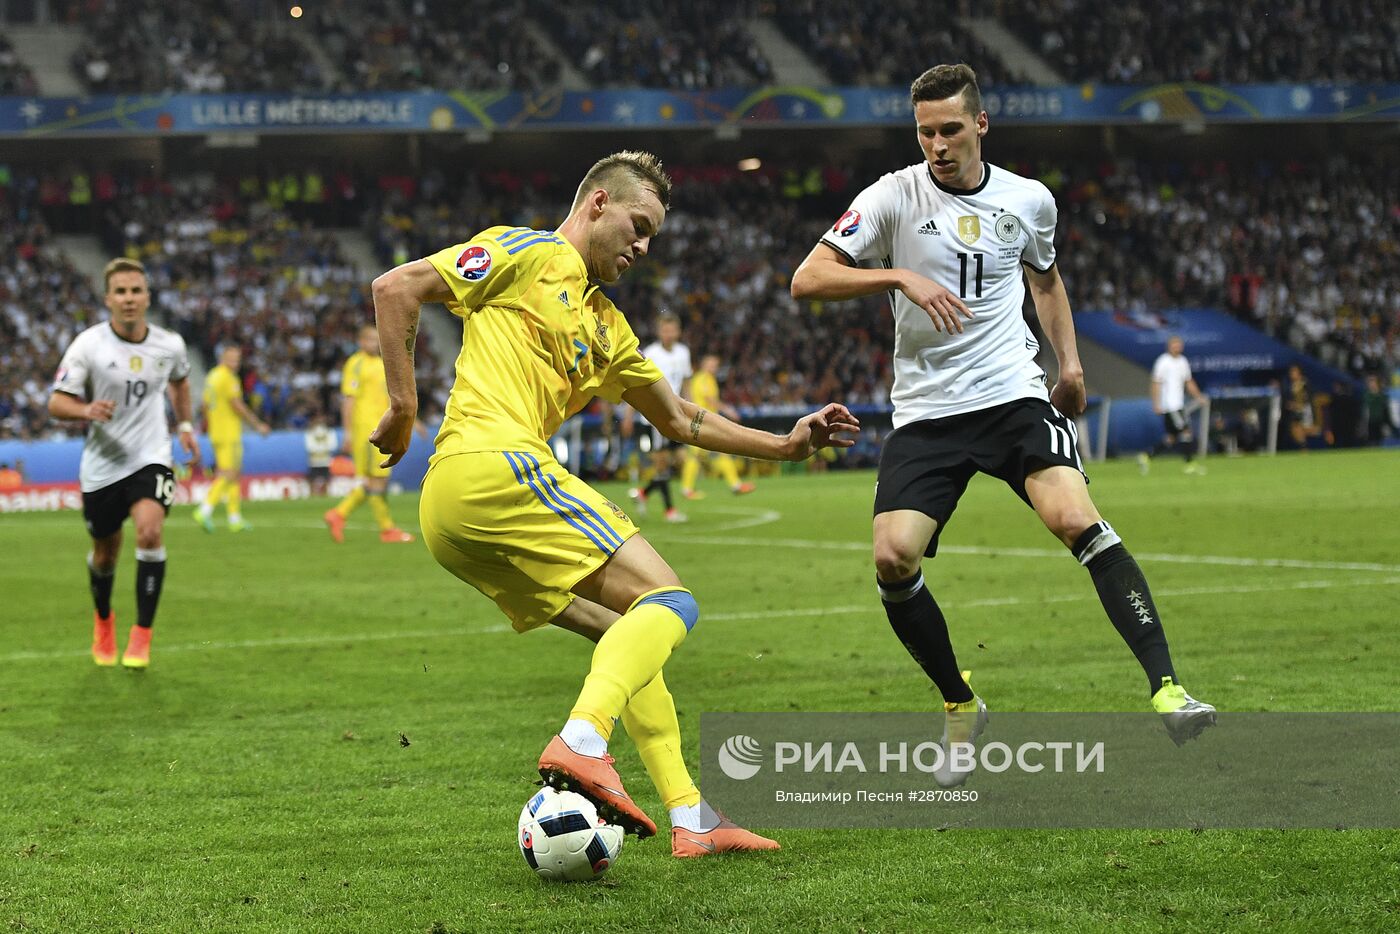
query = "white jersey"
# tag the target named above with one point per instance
(100, 365)
(674, 364)
(971, 242)
(1171, 374)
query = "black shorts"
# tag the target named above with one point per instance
(1176, 423)
(926, 465)
(106, 509)
(318, 473)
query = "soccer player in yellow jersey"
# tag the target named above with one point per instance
(540, 340)
(704, 392)
(364, 399)
(226, 413)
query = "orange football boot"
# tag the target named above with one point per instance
(336, 523)
(138, 648)
(725, 836)
(391, 536)
(597, 780)
(744, 488)
(104, 639)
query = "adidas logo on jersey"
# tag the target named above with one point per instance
(930, 229)
(564, 297)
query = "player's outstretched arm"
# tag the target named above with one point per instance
(398, 295)
(1052, 308)
(687, 423)
(69, 407)
(826, 274)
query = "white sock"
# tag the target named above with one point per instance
(583, 738)
(687, 817)
(205, 510)
(235, 517)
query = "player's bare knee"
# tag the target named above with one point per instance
(104, 554)
(148, 537)
(895, 562)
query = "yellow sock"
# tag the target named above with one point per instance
(380, 507)
(650, 719)
(724, 466)
(626, 659)
(350, 502)
(689, 471)
(216, 493)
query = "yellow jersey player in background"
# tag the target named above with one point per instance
(364, 399)
(704, 392)
(539, 341)
(225, 413)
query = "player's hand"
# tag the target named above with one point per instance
(828, 428)
(393, 434)
(1068, 394)
(190, 445)
(100, 410)
(943, 308)
(263, 429)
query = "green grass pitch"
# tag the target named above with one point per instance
(340, 738)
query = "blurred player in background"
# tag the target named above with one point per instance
(968, 394)
(321, 444)
(226, 413)
(499, 512)
(673, 359)
(115, 376)
(1171, 381)
(364, 399)
(704, 392)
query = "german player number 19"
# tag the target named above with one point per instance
(165, 489)
(135, 389)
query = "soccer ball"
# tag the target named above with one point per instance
(563, 839)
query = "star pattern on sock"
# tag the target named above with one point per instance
(1140, 607)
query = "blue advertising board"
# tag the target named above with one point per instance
(794, 106)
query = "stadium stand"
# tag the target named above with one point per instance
(888, 43)
(634, 43)
(1211, 40)
(44, 303)
(149, 46)
(15, 77)
(386, 46)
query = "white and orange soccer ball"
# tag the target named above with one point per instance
(563, 839)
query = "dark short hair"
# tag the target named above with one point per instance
(943, 81)
(618, 173)
(120, 264)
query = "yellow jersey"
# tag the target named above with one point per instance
(704, 391)
(363, 380)
(221, 387)
(539, 341)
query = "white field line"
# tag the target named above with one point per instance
(1229, 561)
(871, 607)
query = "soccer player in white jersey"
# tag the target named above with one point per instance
(948, 238)
(114, 376)
(673, 359)
(1171, 381)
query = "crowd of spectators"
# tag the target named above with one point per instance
(387, 45)
(400, 45)
(230, 262)
(202, 46)
(44, 303)
(889, 43)
(15, 76)
(690, 46)
(1226, 41)
(1310, 254)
